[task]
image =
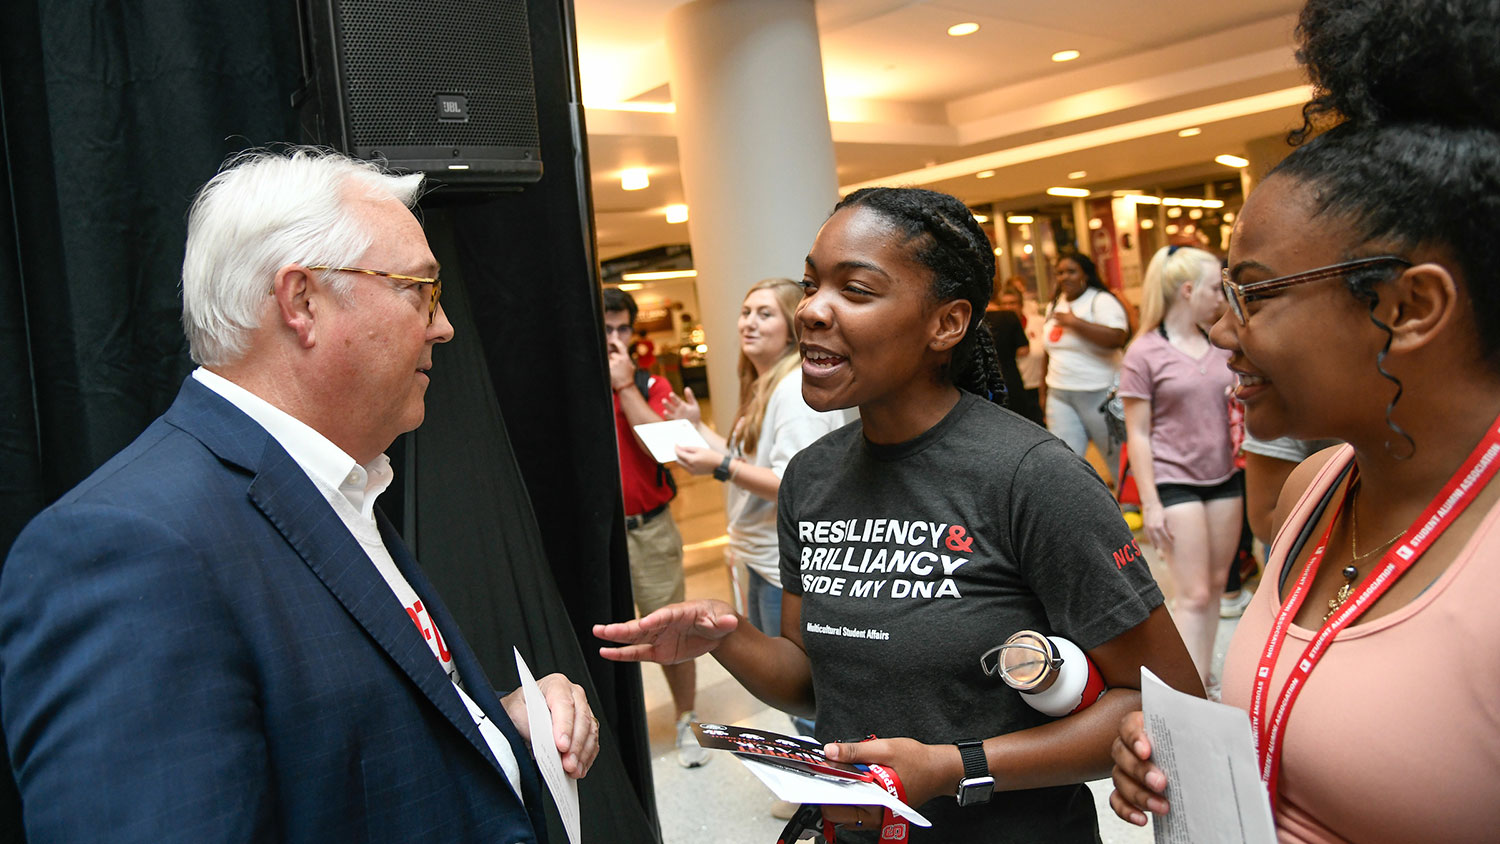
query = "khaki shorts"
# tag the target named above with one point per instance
(656, 564)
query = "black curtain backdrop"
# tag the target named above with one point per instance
(111, 116)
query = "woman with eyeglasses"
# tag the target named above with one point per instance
(1175, 388)
(918, 539)
(1364, 305)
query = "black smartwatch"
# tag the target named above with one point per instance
(977, 784)
(721, 472)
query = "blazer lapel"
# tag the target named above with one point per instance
(287, 497)
(469, 669)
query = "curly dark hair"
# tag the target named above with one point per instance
(1412, 158)
(949, 242)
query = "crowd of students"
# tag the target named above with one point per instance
(1353, 309)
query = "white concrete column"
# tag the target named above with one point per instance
(756, 154)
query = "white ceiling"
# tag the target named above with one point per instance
(911, 104)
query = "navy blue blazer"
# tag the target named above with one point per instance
(194, 648)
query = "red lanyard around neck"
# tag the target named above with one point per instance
(1451, 501)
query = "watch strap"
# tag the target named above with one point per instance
(975, 763)
(721, 472)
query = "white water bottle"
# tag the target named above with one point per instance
(1053, 675)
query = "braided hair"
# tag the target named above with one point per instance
(948, 241)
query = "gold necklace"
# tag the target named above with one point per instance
(1351, 572)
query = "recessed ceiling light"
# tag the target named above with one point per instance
(1078, 174)
(1078, 192)
(635, 178)
(1189, 132)
(1065, 55)
(1019, 219)
(965, 28)
(659, 275)
(1228, 216)
(985, 174)
(999, 251)
(1147, 222)
(1232, 161)
(1172, 228)
(1026, 248)
(676, 213)
(1174, 212)
(1195, 214)
(1095, 223)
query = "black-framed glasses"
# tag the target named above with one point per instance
(437, 284)
(1239, 295)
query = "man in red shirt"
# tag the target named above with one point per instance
(656, 573)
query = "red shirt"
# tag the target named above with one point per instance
(639, 472)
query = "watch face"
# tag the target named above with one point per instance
(975, 791)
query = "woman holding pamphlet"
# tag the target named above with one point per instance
(916, 541)
(1364, 306)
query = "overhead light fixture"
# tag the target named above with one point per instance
(985, 174)
(1026, 249)
(1019, 219)
(636, 178)
(1189, 132)
(659, 275)
(1078, 192)
(1095, 224)
(1065, 55)
(1189, 228)
(1195, 214)
(1232, 160)
(1078, 174)
(1228, 216)
(981, 218)
(1171, 228)
(645, 107)
(1174, 212)
(999, 251)
(676, 213)
(629, 287)
(1148, 223)
(1184, 201)
(960, 29)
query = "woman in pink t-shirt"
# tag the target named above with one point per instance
(1364, 288)
(1175, 387)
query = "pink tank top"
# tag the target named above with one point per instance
(1397, 735)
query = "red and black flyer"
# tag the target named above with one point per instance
(777, 749)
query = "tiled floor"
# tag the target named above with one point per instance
(722, 802)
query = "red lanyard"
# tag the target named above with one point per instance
(1454, 498)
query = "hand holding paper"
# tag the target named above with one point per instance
(1203, 757)
(564, 789)
(662, 437)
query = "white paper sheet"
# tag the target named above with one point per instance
(804, 788)
(563, 787)
(660, 437)
(1213, 781)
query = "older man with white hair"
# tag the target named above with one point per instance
(217, 636)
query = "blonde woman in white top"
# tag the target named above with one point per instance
(772, 424)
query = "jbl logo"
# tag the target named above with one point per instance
(452, 108)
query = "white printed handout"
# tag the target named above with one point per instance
(661, 437)
(1207, 753)
(564, 788)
